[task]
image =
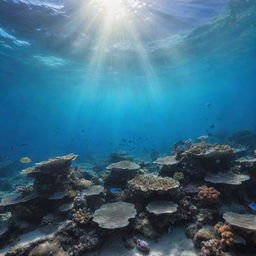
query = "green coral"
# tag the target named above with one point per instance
(178, 176)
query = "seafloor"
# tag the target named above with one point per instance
(197, 200)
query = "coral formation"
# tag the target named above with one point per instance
(114, 215)
(162, 207)
(211, 248)
(83, 183)
(204, 234)
(178, 176)
(225, 233)
(144, 225)
(203, 149)
(208, 195)
(151, 183)
(227, 178)
(245, 221)
(120, 173)
(81, 216)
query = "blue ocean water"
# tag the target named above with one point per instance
(87, 78)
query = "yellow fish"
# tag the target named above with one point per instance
(25, 160)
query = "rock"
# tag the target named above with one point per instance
(204, 234)
(47, 249)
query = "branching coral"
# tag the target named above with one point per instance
(81, 216)
(146, 182)
(24, 190)
(224, 231)
(211, 248)
(178, 176)
(83, 183)
(87, 241)
(208, 195)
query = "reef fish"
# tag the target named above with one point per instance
(115, 190)
(252, 206)
(170, 229)
(25, 160)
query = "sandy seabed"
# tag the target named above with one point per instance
(173, 244)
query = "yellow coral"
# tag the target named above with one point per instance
(178, 176)
(72, 193)
(82, 216)
(84, 183)
(147, 182)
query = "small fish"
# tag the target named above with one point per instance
(83, 131)
(25, 160)
(115, 190)
(170, 229)
(252, 206)
(212, 126)
(208, 105)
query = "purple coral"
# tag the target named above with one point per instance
(190, 189)
(211, 248)
(142, 245)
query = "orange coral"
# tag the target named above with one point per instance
(225, 233)
(208, 195)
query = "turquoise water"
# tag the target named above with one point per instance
(94, 80)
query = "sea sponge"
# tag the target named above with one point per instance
(224, 231)
(208, 195)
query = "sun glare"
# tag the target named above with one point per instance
(117, 9)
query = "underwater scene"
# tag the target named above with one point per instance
(128, 127)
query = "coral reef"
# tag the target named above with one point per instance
(208, 195)
(62, 211)
(167, 165)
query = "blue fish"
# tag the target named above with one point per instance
(170, 229)
(252, 206)
(115, 190)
